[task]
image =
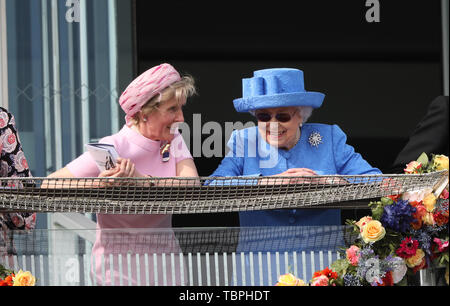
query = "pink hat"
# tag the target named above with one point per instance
(145, 87)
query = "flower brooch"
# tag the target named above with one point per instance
(315, 139)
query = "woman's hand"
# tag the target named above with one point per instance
(294, 172)
(308, 176)
(123, 168)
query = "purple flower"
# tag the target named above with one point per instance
(352, 280)
(398, 216)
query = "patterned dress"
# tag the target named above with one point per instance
(12, 164)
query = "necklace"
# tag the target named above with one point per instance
(165, 151)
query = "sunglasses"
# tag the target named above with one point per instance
(281, 117)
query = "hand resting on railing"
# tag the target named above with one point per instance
(123, 174)
(300, 176)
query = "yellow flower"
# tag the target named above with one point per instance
(373, 231)
(416, 259)
(289, 280)
(441, 162)
(24, 279)
(429, 201)
(428, 219)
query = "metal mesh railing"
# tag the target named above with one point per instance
(179, 256)
(254, 256)
(202, 195)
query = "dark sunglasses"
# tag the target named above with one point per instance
(281, 117)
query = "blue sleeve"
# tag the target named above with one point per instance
(232, 164)
(347, 161)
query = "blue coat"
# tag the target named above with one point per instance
(250, 155)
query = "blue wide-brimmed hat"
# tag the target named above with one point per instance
(278, 87)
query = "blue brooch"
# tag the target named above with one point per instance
(315, 139)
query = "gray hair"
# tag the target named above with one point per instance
(305, 112)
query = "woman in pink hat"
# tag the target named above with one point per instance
(153, 106)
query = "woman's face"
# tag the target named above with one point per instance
(162, 123)
(276, 133)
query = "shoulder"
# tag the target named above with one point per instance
(4, 110)
(331, 134)
(117, 139)
(321, 128)
(119, 142)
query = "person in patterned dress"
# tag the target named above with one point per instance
(12, 164)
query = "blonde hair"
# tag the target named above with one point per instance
(181, 89)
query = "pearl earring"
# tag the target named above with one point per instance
(145, 119)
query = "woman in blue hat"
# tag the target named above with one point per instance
(284, 145)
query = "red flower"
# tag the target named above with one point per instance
(394, 197)
(11, 138)
(330, 274)
(407, 248)
(387, 280)
(440, 217)
(7, 282)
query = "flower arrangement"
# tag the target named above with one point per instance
(9, 278)
(404, 234)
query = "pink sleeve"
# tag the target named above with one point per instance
(179, 149)
(83, 166)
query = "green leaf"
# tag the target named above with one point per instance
(386, 201)
(340, 266)
(423, 159)
(377, 212)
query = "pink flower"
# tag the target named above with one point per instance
(413, 167)
(321, 280)
(444, 194)
(363, 221)
(442, 245)
(353, 255)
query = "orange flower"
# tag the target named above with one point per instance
(418, 216)
(330, 274)
(394, 197)
(8, 281)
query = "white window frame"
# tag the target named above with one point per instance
(4, 98)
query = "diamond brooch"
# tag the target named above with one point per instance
(315, 139)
